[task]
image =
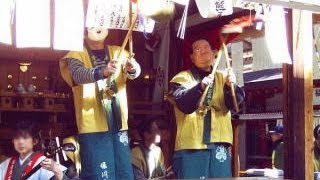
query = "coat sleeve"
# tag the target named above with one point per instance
(83, 75)
(186, 98)
(138, 164)
(3, 168)
(138, 174)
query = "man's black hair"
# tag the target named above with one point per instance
(24, 128)
(197, 39)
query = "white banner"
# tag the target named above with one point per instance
(114, 14)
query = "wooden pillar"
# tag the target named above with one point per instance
(235, 148)
(298, 109)
(287, 73)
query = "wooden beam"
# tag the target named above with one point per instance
(298, 89)
(291, 4)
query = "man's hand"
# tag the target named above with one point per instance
(110, 69)
(51, 165)
(128, 66)
(206, 81)
(231, 77)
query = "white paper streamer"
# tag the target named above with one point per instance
(183, 22)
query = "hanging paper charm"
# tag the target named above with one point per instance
(214, 8)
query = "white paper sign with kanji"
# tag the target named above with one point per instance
(214, 8)
(114, 14)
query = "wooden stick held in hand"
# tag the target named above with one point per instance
(129, 33)
(234, 99)
(214, 69)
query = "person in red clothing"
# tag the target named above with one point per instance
(24, 140)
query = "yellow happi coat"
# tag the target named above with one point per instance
(90, 115)
(190, 126)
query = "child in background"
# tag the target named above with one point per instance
(24, 140)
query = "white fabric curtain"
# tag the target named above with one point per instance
(6, 10)
(33, 23)
(69, 25)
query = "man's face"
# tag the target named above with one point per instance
(24, 144)
(97, 33)
(202, 56)
(276, 136)
(154, 133)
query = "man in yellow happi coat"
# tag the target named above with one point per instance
(204, 137)
(98, 77)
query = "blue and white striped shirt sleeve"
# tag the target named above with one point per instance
(81, 74)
